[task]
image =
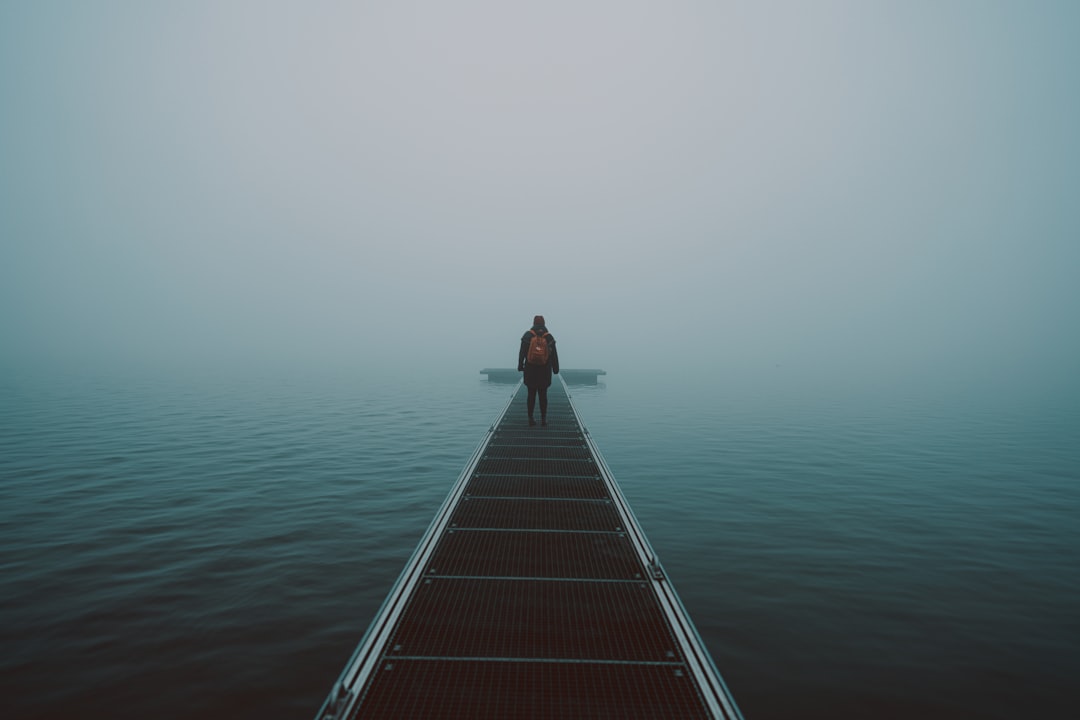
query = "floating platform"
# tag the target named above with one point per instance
(533, 594)
(573, 376)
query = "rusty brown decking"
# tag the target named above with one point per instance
(534, 594)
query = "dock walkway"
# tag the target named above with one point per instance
(533, 594)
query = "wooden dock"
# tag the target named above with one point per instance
(533, 594)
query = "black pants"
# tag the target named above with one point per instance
(542, 392)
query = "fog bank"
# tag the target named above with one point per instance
(752, 193)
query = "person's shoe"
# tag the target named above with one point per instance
(531, 421)
(543, 421)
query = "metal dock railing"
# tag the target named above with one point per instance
(533, 594)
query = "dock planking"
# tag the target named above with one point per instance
(533, 594)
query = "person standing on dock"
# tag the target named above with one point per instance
(538, 359)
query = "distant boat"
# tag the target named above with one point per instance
(573, 376)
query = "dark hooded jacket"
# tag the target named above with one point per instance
(538, 376)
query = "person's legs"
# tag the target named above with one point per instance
(543, 406)
(531, 402)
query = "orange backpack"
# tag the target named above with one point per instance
(538, 349)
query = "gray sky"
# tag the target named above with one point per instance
(864, 190)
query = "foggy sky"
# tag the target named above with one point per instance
(868, 191)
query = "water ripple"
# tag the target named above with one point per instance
(213, 550)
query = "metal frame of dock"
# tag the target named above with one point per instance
(534, 593)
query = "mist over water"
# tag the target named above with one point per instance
(838, 193)
(805, 241)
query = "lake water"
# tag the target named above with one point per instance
(217, 549)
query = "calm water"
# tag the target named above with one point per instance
(213, 549)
